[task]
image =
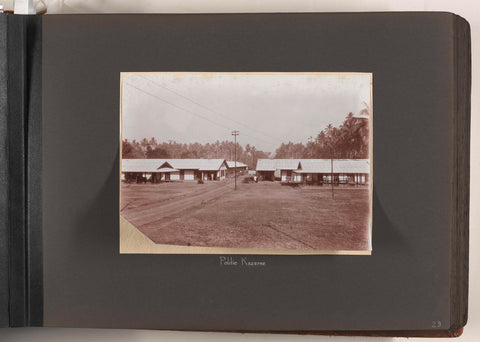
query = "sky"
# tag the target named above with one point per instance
(267, 109)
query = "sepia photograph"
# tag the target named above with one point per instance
(246, 163)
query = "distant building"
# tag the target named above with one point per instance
(166, 170)
(241, 167)
(281, 169)
(266, 169)
(315, 171)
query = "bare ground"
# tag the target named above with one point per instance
(256, 215)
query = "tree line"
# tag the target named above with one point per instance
(349, 141)
(172, 150)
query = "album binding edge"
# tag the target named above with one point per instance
(461, 182)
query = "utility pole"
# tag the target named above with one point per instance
(332, 155)
(331, 171)
(235, 133)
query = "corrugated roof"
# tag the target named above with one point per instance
(307, 165)
(315, 165)
(151, 165)
(231, 164)
(265, 165)
(141, 165)
(351, 166)
(339, 166)
(277, 164)
(196, 164)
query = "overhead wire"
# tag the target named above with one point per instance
(191, 112)
(216, 112)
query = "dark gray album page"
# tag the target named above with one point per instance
(404, 284)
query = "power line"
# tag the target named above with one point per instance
(211, 110)
(176, 106)
(275, 139)
(205, 107)
(273, 142)
(186, 110)
(191, 112)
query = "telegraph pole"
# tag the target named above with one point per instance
(332, 155)
(331, 170)
(235, 133)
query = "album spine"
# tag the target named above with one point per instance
(461, 183)
(4, 228)
(20, 113)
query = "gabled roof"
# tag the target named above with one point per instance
(165, 164)
(315, 165)
(231, 164)
(152, 165)
(339, 166)
(141, 165)
(197, 164)
(166, 167)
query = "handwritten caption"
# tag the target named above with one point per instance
(231, 261)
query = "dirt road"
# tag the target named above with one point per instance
(257, 215)
(156, 207)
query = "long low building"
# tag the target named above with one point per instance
(271, 169)
(315, 171)
(165, 170)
